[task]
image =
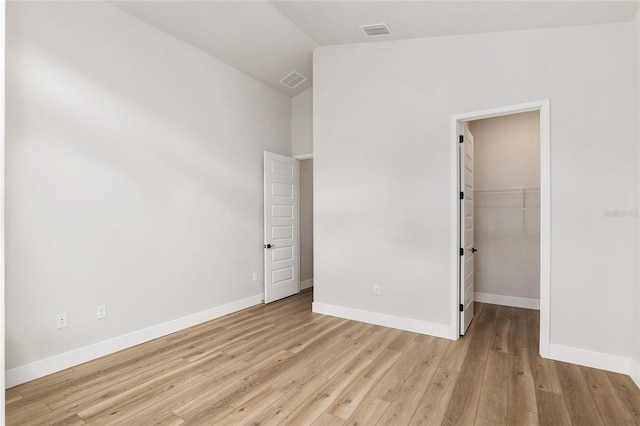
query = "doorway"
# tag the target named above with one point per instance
(458, 123)
(507, 209)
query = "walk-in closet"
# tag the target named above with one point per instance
(507, 209)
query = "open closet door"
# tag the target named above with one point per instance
(281, 227)
(466, 232)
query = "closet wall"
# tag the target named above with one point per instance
(306, 224)
(507, 209)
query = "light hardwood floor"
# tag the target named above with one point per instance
(282, 364)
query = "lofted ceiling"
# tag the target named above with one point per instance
(267, 40)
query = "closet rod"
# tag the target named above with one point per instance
(522, 191)
(517, 190)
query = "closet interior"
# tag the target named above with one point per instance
(507, 209)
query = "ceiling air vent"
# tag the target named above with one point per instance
(293, 80)
(375, 29)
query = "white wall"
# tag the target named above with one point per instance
(302, 145)
(306, 223)
(382, 134)
(134, 179)
(507, 151)
(506, 228)
(302, 123)
(2, 207)
(636, 228)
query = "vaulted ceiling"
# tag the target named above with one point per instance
(269, 39)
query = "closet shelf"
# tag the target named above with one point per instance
(518, 190)
(522, 197)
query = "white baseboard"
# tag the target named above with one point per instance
(78, 356)
(407, 324)
(635, 373)
(599, 360)
(516, 302)
(306, 284)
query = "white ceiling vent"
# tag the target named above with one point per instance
(293, 80)
(375, 29)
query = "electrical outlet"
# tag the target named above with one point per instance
(101, 312)
(376, 290)
(255, 276)
(61, 320)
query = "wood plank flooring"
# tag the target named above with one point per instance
(282, 364)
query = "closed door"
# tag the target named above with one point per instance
(281, 228)
(466, 230)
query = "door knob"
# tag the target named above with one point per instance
(473, 250)
(268, 246)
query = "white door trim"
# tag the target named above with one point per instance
(545, 211)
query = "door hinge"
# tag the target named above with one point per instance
(461, 139)
(462, 195)
(461, 252)
(461, 307)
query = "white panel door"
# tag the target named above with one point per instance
(466, 231)
(281, 237)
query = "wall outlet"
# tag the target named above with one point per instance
(61, 320)
(255, 276)
(376, 290)
(101, 312)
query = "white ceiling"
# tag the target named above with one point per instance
(269, 39)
